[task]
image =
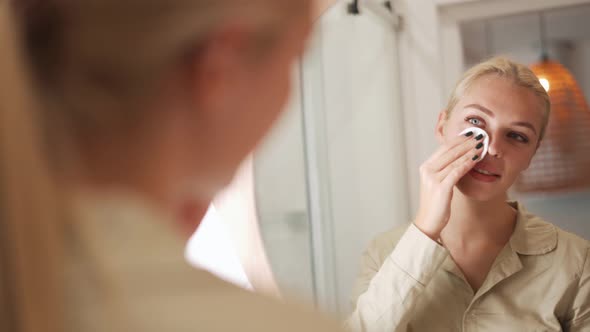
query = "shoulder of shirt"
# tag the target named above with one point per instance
(570, 254)
(383, 244)
(124, 232)
(535, 231)
(573, 249)
(540, 237)
(571, 241)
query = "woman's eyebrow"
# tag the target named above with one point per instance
(526, 125)
(481, 108)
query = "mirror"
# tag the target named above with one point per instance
(342, 165)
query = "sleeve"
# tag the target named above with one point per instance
(388, 294)
(580, 311)
(370, 263)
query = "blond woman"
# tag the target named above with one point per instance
(499, 267)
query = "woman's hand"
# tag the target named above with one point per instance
(438, 177)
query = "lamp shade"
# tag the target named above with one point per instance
(562, 162)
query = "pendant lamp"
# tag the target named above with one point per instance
(562, 161)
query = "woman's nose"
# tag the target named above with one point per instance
(495, 148)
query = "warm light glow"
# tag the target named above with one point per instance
(545, 83)
(561, 162)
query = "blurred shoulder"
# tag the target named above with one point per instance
(383, 244)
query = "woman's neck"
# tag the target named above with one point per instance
(476, 222)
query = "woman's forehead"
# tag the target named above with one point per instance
(503, 99)
(500, 94)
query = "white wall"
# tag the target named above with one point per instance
(365, 148)
(421, 85)
(281, 199)
(581, 64)
(355, 150)
(569, 211)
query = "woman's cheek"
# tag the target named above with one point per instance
(523, 160)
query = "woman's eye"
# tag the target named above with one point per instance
(474, 121)
(518, 137)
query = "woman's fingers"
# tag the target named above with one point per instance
(439, 174)
(458, 169)
(453, 153)
(470, 155)
(443, 149)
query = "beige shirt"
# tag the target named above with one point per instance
(387, 301)
(540, 281)
(125, 271)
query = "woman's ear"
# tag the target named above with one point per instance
(538, 145)
(215, 68)
(440, 126)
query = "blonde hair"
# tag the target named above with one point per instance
(99, 61)
(503, 67)
(93, 64)
(29, 246)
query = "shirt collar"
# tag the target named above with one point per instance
(532, 235)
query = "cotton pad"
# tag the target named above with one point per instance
(486, 139)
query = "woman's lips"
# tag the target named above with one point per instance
(484, 175)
